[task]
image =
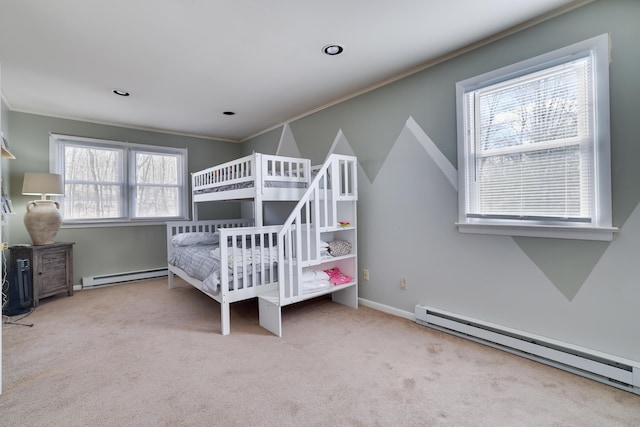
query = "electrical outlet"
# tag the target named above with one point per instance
(365, 274)
(403, 283)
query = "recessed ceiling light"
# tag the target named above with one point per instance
(120, 92)
(229, 113)
(332, 49)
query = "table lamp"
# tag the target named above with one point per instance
(42, 219)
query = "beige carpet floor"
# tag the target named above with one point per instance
(140, 354)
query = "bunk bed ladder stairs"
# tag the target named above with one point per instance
(300, 236)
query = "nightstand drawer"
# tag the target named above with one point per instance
(54, 261)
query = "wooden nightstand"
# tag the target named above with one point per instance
(51, 268)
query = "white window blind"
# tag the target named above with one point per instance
(534, 148)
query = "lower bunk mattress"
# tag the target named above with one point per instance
(203, 262)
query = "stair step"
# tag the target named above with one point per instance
(273, 297)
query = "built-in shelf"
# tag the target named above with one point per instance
(274, 296)
(327, 259)
(7, 154)
(5, 151)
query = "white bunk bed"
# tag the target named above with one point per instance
(280, 264)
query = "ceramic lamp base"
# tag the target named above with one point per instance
(42, 221)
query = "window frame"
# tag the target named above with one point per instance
(600, 226)
(57, 143)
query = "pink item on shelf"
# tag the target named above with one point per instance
(336, 277)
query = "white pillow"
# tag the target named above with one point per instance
(190, 239)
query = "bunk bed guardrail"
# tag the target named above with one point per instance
(254, 169)
(252, 257)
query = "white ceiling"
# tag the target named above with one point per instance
(185, 62)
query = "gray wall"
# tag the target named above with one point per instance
(103, 250)
(580, 292)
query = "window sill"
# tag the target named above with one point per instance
(548, 231)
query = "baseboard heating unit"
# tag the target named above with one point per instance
(112, 279)
(611, 370)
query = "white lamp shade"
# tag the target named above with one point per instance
(42, 184)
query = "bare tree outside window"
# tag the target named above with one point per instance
(157, 189)
(93, 183)
(119, 181)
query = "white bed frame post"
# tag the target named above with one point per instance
(257, 202)
(170, 233)
(225, 314)
(170, 277)
(194, 209)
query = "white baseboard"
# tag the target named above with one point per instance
(387, 309)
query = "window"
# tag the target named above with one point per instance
(110, 181)
(533, 146)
